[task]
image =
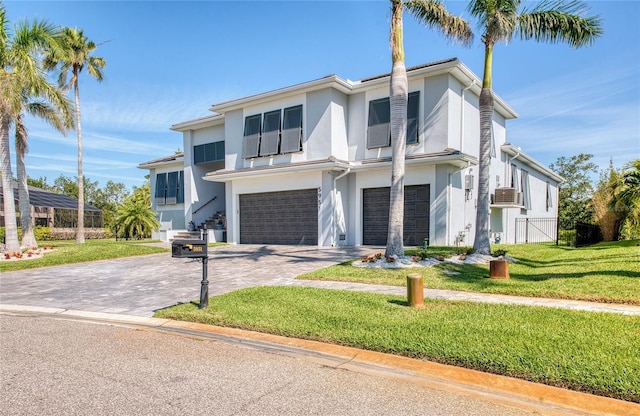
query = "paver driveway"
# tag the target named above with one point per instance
(140, 285)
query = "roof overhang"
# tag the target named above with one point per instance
(164, 161)
(225, 175)
(202, 122)
(453, 158)
(517, 154)
(452, 66)
(331, 81)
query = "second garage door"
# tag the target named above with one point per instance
(287, 217)
(375, 211)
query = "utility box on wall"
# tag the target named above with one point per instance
(468, 182)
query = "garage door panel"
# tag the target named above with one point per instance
(287, 217)
(375, 208)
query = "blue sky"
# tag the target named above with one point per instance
(169, 61)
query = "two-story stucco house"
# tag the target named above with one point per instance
(311, 164)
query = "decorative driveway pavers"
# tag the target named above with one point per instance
(141, 285)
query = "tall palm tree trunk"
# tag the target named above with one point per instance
(10, 225)
(28, 237)
(481, 242)
(80, 231)
(398, 100)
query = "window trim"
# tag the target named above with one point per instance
(410, 138)
(218, 152)
(161, 190)
(251, 141)
(270, 141)
(286, 133)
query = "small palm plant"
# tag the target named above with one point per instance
(137, 220)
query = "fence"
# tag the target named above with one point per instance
(546, 230)
(536, 230)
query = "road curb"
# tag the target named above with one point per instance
(503, 390)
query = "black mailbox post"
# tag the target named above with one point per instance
(196, 249)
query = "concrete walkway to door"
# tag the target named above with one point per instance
(141, 285)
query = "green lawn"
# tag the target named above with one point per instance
(585, 351)
(67, 252)
(606, 272)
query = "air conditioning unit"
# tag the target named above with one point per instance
(507, 196)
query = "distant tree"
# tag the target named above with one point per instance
(432, 14)
(500, 20)
(576, 191)
(74, 55)
(69, 186)
(40, 182)
(109, 199)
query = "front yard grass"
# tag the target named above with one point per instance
(605, 272)
(585, 351)
(68, 252)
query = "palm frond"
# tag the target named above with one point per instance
(560, 21)
(433, 14)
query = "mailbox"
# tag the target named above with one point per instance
(189, 249)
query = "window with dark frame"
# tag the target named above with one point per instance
(208, 152)
(181, 186)
(251, 143)
(172, 188)
(379, 127)
(526, 194)
(379, 123)
(270, 140)
(274, 132)
(161, 188)
(413, 110)
(291, 130)
(169, 188)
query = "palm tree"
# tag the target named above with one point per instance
(73, 56)
(551, 21)
(137, 219)
(21, 77)
(432, 14)
(626, 199)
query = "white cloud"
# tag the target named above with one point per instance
(582, 112)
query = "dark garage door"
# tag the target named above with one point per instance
(288, 217)
(375, 211)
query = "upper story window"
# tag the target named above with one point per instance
(270, 133)
(209, 152)
(169, 188)
(274, 132)
(379, 124)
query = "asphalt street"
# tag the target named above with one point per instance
(57, 366)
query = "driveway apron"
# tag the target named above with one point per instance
(143, 284)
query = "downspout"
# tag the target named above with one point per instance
(462, 101)
(507, 174)
(449, 199)
(334, 197)
(507, 167)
